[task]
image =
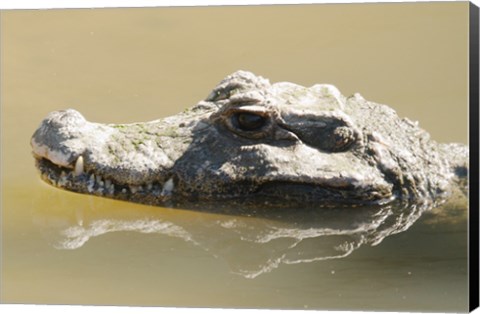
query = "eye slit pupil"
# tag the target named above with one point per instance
(250, 121)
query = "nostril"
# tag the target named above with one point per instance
(59, 137)
(69, 118)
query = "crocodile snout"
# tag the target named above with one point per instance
(60, 138)
(103, 158)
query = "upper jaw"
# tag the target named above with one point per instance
(154, 192)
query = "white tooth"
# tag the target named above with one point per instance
(99, 180)
(124, 190)
(149, 186)
(79, 166)
(63, 179)
(133, 188)
(111, 188)
(90, 184)
(108, 183)
(168, 187)
(51, 179)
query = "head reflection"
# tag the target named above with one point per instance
(251, 242)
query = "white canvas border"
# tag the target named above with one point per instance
(65, 4)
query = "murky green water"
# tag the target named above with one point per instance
(126, 65)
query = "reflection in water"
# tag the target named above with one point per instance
(250, 245)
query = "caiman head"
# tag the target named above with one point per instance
(251, 141)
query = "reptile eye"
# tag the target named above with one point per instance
(249, 121)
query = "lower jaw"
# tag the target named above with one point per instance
(324, 196)
(268, 195)
(93, 184)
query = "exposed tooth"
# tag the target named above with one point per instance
(52, 179)
(99, 180)
(111, 188)
(124, 190)
(63, 179)
(91, 183)
(149, 186)
(79, 169)
(168, 188)
(133, 188)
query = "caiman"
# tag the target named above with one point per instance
(254, 141)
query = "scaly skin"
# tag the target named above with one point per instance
(255, 142)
